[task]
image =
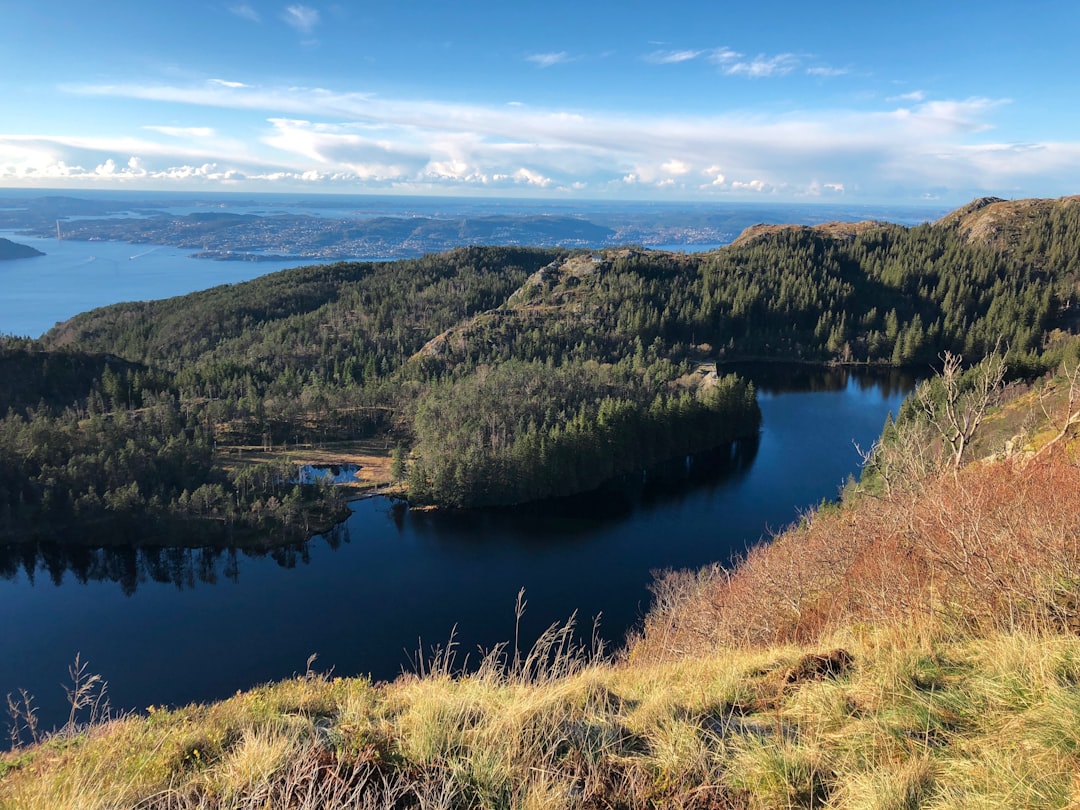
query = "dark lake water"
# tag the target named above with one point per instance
(169, 626)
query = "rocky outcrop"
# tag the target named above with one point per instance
(1000, 223)
(837, 230)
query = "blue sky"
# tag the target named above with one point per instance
(874, 102)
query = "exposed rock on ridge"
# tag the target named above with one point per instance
(837, 230)
(1000, 223)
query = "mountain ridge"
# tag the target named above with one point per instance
(993, 221)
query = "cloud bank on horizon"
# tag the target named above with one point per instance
(610, 101)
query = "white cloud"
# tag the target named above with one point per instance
(532, 178)
(546, 60)
(724, 56)
(224, 83)
(816, 189)
(455, 170)
(434, 145)
(44, 172)
(733, 63)
(762, 66)
(672, 57)
(302, 18)
(205, 171)
(350, 147)
(182, 132)
(716, 174)
(245, 11)
(914, 95)
(968, 115)
(1012, 162)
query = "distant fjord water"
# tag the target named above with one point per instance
(74, 277)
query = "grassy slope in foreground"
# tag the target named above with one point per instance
(917, 720)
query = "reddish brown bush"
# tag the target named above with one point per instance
(993, 545)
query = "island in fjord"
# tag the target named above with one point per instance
(16, 250)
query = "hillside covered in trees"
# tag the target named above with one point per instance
(502, 374)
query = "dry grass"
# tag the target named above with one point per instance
(371, 456)
(915, 722)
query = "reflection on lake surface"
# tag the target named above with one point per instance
(168, 625)
(333, 473)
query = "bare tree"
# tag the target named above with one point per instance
(903, 457)
(1071, 415)
(958, 413)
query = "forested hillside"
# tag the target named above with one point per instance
(506, 374)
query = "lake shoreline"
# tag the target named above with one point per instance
(148, 619)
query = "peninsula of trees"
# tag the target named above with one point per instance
(502, 374)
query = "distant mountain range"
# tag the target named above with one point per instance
(308, 227)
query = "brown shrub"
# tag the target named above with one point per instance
(989, 546)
